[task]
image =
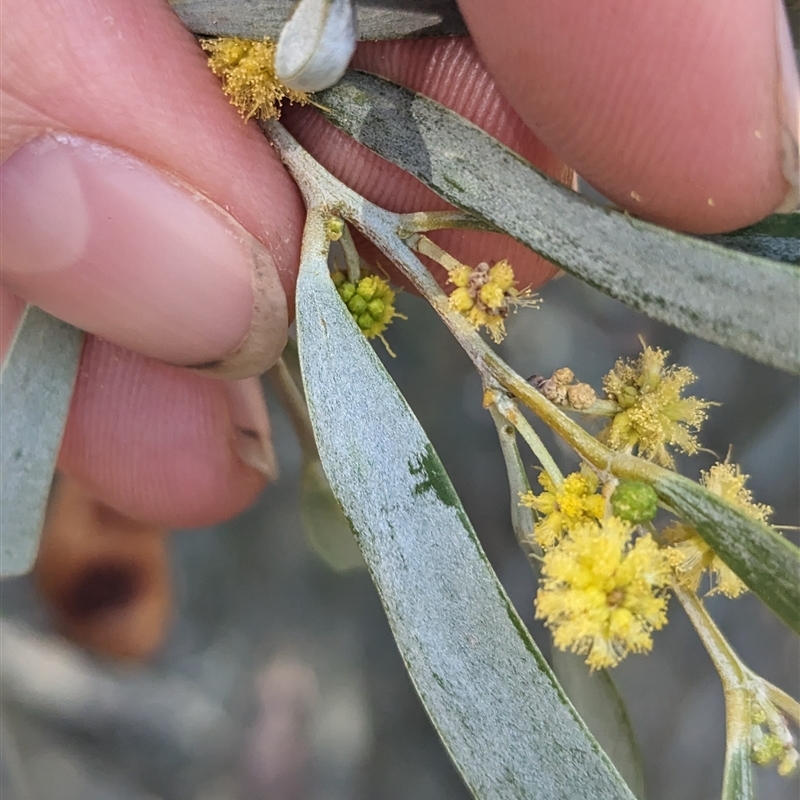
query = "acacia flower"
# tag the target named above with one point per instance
(247, 70)
(370, 302)
(485, 295)
(602, 594)
(653, 414)
(689, 554)
(564, 507)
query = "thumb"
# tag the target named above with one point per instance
(136, 204)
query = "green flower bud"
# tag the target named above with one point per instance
(357, 305)
(634, 501)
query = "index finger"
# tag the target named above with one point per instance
(685, 113)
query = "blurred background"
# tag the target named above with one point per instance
(279, 678)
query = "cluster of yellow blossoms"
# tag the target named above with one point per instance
(247, 70)
(604, 576)
(484, 295)
(603, 587)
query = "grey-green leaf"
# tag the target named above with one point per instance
(767, 562)
(736, 300)
(506, 723)
(36, 384)
(598, 701)
(255, 20)
(776, 237)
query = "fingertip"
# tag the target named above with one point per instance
(669, 109)
(155, 442)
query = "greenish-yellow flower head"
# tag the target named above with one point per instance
(602, 593)
(689, 554)
(484, 295)
(653, 413)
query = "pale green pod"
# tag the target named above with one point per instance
(316, 44)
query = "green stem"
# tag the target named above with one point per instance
(292, 400)
(523, 519)
(508, 408)
(738, 690)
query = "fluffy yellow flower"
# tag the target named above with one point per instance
(653, 414)
(485, 295)
(564, 507)
(689, 554)
(602, 594)
(247, 70)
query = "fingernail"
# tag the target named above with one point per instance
(252, 433)
(132, 254)
(789, 109)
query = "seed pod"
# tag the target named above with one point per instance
(316, 44)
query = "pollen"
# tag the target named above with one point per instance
(653, 413)
(247, 70)
(689, 554)
(485, 295)
(602, 593)
(564, 507)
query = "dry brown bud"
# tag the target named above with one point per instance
(581, 396)
(564, 376)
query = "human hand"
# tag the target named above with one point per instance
(137, 205)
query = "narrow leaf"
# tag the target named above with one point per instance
(254, 20)
(767, 562)
(737, 300)
(505, 721)
(598, 701)
(776, 237)
(36, 383)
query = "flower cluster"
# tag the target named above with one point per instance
(247, 70)
(602, 588)
(653, 413)
(370, 301)
(485, 294)
(690, 556)
(564, 507)
(603, 593)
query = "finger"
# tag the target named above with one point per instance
(164, 445)
(136, 203)
(683, 112)
(104, 577)
(451, 72)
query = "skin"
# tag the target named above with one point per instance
(699, 117)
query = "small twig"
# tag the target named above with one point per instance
(424, 221)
